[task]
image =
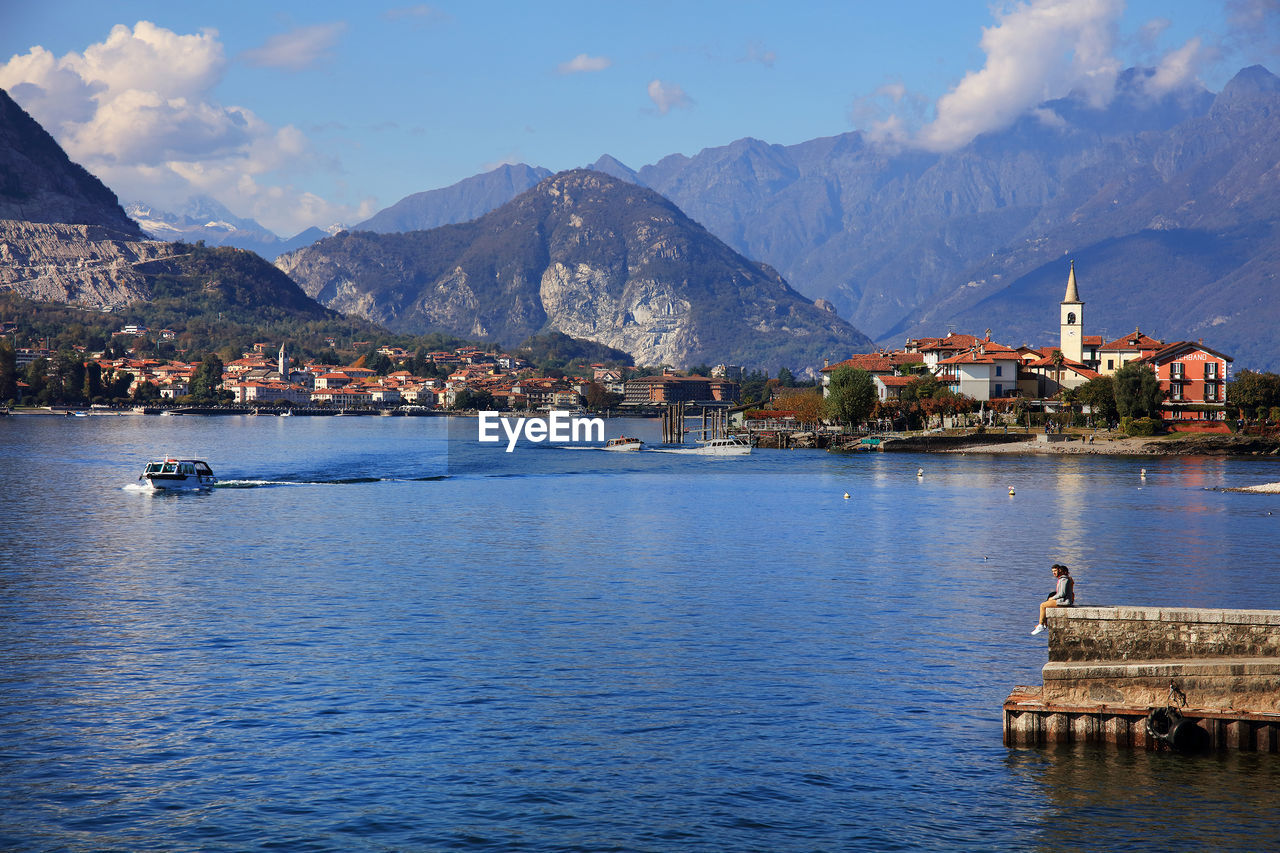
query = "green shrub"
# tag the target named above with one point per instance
(1139, 426)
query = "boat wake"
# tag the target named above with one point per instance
(322, 481)
(147, 489)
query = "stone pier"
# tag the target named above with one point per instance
(1110, 666)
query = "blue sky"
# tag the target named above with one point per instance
(300, 114)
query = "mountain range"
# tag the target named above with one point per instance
(1166, 201)
(587, 255)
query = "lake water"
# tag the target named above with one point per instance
(377, 635)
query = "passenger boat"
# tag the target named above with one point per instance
(727, 446)
(623, 443)
(177, 475)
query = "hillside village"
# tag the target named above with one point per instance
(467, 378)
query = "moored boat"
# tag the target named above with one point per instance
(177, 475)
(622, 442)
(727, 446)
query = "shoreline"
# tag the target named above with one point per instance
(1106, 447)
(1190, 444)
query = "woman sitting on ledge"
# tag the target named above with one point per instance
(1063, 595)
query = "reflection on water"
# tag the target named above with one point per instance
(389, 637)
(1107, 799)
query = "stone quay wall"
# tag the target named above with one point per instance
(1154, 656)
(1161, 633)
(1109, 666)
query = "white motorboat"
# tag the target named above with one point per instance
(177, 475)
(622, 442)
(727, 446)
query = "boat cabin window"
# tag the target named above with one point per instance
(187, 469)
(152, 468)
(169, 468)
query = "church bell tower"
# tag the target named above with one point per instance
(1071, 329)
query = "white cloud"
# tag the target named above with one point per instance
(757, 52)
(1252, 14)
(668, 96)
(297, 49)
(892, 131)
(138, 111)
(889, 113)
(584, 63)
(1150, 32)
(1036, 51)
(1176, 69)
(1253, 28)
(1049, 118)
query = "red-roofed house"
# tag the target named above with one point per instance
(932, 351)
(988, 371)
(1052, 378)
(875, 363)
(1121, 351)
(333, 379)
(1192, 376)
(890, 387)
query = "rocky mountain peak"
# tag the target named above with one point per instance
(588, 255)
(1253, 88)
(612, 166)
(39, 183)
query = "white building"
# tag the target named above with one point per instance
(988, 371)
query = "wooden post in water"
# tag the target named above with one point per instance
(673, 423)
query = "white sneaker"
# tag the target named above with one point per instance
(1037, 630)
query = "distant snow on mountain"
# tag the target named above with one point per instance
(205, 218)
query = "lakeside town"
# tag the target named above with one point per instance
(1137, 383)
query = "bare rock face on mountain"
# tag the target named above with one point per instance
(587, 255)
(85, 265)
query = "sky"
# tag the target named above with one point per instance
(322, 113)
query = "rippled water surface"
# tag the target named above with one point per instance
(377, 637)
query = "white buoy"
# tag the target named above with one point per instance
(1011, 491)
(1143, 473)
(846, 496)
(920, 472)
